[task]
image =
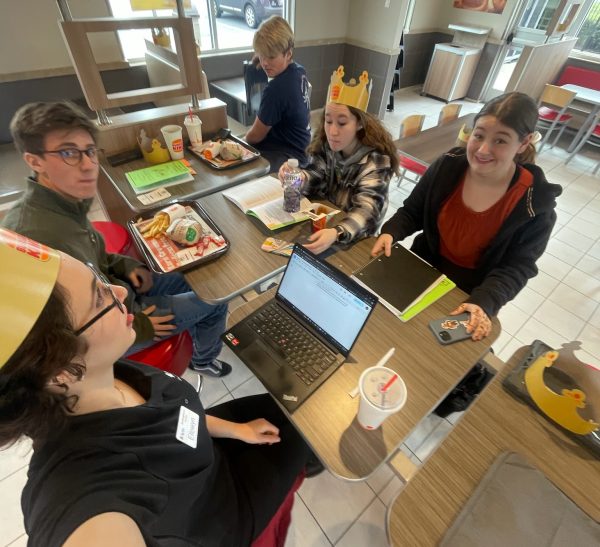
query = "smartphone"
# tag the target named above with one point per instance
(450, 329)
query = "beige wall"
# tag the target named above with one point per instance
(44, 47)
(370, 23)
(438, 14)
(321, 19)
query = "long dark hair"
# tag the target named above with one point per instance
(373, 134)
(517, 111)
(27, 406)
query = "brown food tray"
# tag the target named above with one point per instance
(163, 255)
(250, 153)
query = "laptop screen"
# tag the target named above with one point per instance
(329, 300)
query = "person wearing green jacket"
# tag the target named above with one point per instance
(58, 143)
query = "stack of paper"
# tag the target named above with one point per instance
(161, 175)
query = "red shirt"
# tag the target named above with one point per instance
(464, 233)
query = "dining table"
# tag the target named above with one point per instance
(590, 99)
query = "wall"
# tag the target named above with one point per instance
(30, 28)
(321, 20)
(370, 24)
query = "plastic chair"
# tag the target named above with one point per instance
(449, 113)
(591, 136)
(116, 238)
(411, 125)
(172, 354)
(554, 117)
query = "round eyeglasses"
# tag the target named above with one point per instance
(73, 156)
(100, 280)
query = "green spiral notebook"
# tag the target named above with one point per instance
(443, 287)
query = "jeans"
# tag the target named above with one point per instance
(172, 295)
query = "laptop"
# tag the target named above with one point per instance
(296, 340)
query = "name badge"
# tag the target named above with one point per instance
(187, 427)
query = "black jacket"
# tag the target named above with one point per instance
(509, 261)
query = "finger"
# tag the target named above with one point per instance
(149, 310)
(268, 438)
(163, 318)
(387, 246)
(458, 310)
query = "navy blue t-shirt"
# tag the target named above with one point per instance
(285, 107)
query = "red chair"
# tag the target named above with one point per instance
(591, 136)
(116, 238)
(171, 355)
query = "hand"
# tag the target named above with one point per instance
(321, 240)
(258, 432)
(384, 243)
(160, 323)
(479, 325)
(141, 279)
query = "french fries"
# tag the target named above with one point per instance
(157, 227)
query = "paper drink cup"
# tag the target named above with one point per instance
(174, 140)
(193, 125)
(375, 404)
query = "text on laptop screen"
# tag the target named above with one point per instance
(324, 300)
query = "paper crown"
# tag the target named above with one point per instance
(27, 277)
(351, 94)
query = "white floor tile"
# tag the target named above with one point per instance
(534, 330)
(335, 503)
(381, 478)
(389, 493)
(512, 318)
(576, 239)
(543, 283)
(583, 226)
(213, 389)
(553, 266)
(239, 374)
(369, 529)
(11, 518)
(573, 301)
(503, 339)
(584, 283)
(433, 440)
(559, 320)
(564, 252)
(249, 387)
(304, 530)
(590, 339)
(15, 457)
(595, 250)
(528, 300)
(509, 349)
(595, 318)
(421, 432)
(589, 265)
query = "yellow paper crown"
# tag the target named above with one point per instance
(351, 94)
(27, 277)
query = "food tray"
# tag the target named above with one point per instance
(250, 153)
(164, 255)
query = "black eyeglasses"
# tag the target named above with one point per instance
(100, 279)
(73, 156)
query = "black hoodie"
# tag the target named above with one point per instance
(509, 260)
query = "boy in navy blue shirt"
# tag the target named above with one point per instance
(282, 127)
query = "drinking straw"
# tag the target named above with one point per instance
(389, 383)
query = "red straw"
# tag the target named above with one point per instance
(191, 115)
(389, 383)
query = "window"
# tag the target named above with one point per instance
(218, 24)
(589, 31)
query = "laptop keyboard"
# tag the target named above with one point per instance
(303, 353)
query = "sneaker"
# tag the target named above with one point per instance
(216, 368)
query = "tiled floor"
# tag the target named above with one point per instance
(562, 303)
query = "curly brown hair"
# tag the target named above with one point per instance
(27, 406)
(372, 133)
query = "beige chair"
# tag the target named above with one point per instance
(449, 113)
(411, 125)
(552, 115)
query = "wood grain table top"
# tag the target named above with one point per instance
(430, 371)
(426, 146)
(495, 423)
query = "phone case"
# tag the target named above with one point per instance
(450, 329)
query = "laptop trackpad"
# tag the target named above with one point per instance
(259, 354)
